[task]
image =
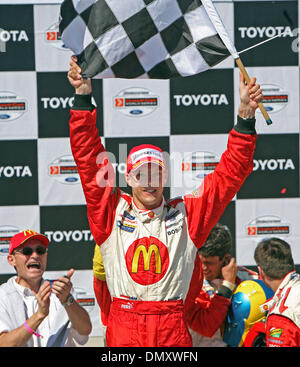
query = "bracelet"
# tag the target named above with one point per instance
(31, 331)
(229, 285)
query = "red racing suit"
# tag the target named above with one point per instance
(282, 326)
(283, 320)
(205, 313)
(149, 256)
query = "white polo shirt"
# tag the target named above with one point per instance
(30, 304)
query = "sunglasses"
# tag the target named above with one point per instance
(27, 251)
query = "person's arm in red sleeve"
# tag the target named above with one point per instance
(96, 172)
(282, 332)
(102, 294)
(206, 315)
(206, 205)
(103, 298)
(203, 314)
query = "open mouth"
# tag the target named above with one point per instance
(34, 265)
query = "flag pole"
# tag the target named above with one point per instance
(260, 104)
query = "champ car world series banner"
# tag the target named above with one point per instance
(189, 118)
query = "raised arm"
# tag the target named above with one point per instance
(96, 173)
(78, 316)
(206, 205)
(204, 314)
(81, 86)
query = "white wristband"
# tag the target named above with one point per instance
(229, 285)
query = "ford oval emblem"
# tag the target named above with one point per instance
(136, 112)
(4, 117)
(71, 179)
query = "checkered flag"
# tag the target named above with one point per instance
(158, 39)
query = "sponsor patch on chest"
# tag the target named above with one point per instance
(174, 222)
(126, 226)
(127, 222)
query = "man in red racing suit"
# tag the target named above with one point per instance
(275, 263)
(148, 267)
(205, 313)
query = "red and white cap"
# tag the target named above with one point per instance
(144, 154)
(20, 238)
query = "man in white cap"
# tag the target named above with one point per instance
(148, 244)
(35, 312)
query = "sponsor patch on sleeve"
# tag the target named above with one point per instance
(274, 337)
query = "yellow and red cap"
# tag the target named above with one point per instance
(21, 237)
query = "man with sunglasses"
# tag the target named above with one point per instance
(148, 244)
(35, 312)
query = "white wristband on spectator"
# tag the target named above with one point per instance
(229, 285)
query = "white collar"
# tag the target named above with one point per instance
(270, 303)
(291, 275)
(23, 291)
(147, 215)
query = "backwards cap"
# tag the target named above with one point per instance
(143, 154)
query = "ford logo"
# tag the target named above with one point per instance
(136, 112)
(71, 179)
(4, 117)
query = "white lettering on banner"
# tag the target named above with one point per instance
(67, 236)
(18, 171)
(2, 44)
(253, 32)
(57, 102)
(13, 35)
(200, 99)
(295, 43)
(273, 164)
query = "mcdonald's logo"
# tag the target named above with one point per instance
(29, 232)
(147, 260)
(153, 249)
